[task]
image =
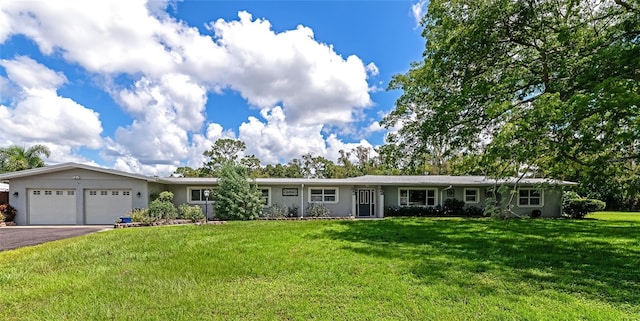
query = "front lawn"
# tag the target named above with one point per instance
(393, 269)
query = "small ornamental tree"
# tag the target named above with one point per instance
(162, 207)
(236, 197)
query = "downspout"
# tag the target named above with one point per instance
(302, 201)
(442, 194)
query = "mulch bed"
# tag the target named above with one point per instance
(162, 223)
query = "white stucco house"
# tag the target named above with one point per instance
(79, 194)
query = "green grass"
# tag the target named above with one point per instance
(616, 216)
(394, 269)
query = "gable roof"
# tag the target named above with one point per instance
(68, 166)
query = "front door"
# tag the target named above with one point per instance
(366, 201)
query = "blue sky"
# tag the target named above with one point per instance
(146, 87)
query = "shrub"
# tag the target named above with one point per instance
(536, 214)
(580, 207)
(317, 210)
(292, 211)
(162, 207)
(140, 215)
(236, 198)
(165, 196)
(415, 211)
(7, 213)
(275, 211)
(193, 213)
(473, 211)
(453, 207)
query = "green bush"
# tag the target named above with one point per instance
(193, 213)
(473, 211)
(140, 215)
(453, 207)
(7, 213)
(580, 207)
(292, 211)
(317, 210)
(162, 207)
(236, 198)
(275, 211)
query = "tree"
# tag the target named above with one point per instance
(186, 171)
(16, 158)
(223, 151)
(236, 198)
(527, 83)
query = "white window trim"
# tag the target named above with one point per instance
(435, 195)
(190, 188)
(323, 189)
(529, 198)
(477, 195)
(260, 188)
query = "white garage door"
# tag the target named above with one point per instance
(50, 206)
(105, 206)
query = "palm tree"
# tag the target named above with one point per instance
(16, 158)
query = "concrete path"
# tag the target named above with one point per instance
(13, 237)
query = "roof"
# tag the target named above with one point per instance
(264, 181)
(447, 180)
(431, 180)
(68, 166)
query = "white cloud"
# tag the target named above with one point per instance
(418, 10)
(276, 140)
(37, 114)
(28, 74)
(372, 69)
(174, 67)
(313, 83)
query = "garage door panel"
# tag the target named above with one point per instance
(50, 206)
(105, 206)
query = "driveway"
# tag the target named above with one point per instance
(13, 237)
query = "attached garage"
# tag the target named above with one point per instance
(76, 194)
(49, 206)
(105, 206)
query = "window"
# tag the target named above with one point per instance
(417, 197)
(47, 192)
(265, 196)
(36, 192)
(196, 194)
(451, 193)
(471, 195)
(71, 192)
(59, 193)
(126, 193)
(114, 193)
(323, 195)
(103, 193)
(529, 197)
(92, 193)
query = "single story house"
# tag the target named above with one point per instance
(79, 194)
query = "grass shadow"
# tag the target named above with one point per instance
(597, 259)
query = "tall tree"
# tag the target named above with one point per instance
(223, 151)
(527, 82)
(16, 158)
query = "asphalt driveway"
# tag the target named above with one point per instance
(15, 237)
